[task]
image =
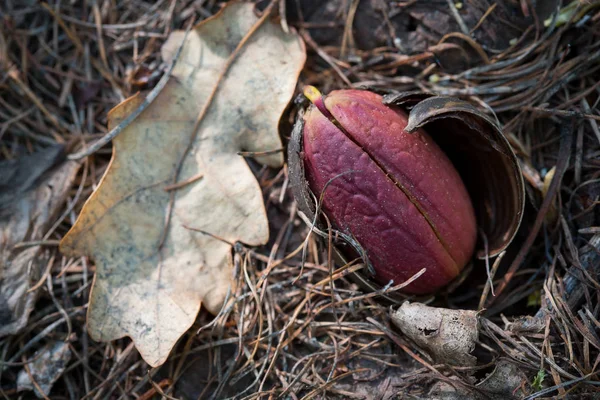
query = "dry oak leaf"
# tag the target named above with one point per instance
(234, 78)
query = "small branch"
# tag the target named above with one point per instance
(147, 101)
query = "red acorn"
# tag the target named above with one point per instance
(391, 189)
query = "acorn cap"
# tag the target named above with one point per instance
(482, 155)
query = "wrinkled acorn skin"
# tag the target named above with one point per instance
(402, 200)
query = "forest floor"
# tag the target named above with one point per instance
(535, 65)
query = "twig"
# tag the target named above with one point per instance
(457, 17)
(131, 117)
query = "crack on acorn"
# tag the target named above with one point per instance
(318, 101)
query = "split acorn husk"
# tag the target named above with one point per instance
(472, 141)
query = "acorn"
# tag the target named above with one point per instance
(406, 181)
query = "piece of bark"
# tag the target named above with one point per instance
(448, 336)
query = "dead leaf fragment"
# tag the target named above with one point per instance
(31, 196)
(19, 175)
(449, 336)
(505, 382)
(50, 363)
(235, 76)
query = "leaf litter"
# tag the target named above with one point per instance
(33, 192)
(50, 363)
(280, 334)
